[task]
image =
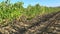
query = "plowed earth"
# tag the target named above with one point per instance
(45, 24)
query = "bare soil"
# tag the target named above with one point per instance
(45, 24)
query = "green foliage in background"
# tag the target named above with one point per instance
(9, 11)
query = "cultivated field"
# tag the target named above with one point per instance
(15, 19)
(46, 24)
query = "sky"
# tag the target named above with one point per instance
(49, 3)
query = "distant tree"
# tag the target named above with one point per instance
(7, 1)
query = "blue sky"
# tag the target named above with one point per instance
(49, 3)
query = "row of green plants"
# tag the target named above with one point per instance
(10, 11)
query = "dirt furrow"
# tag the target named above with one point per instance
(37, 25)
(46, 24)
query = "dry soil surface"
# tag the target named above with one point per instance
(45, 24)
